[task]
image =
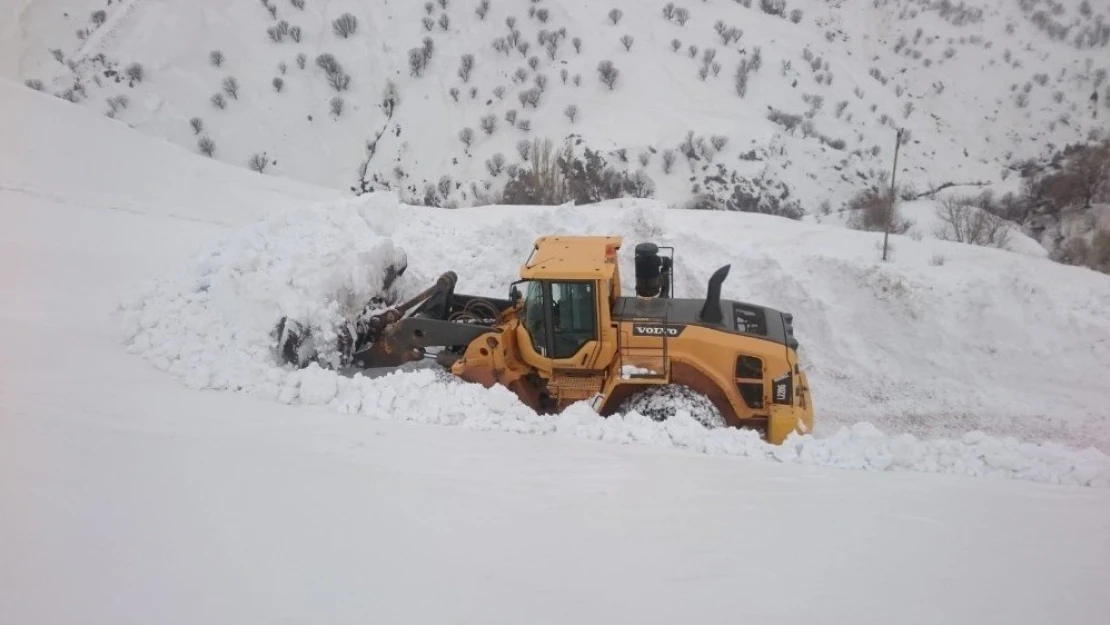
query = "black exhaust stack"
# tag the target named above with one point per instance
(653, 272)
(711, 310)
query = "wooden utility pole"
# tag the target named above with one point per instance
(890, 207)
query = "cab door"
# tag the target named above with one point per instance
(561, 324)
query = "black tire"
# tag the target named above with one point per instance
(663, 401)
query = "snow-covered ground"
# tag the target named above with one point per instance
(128, 497)
(979, 84)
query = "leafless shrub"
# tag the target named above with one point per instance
(301, 60)
(466, 135)
(571, 111)
(669, 157)
(295, 34)
(963, 222)
(608, 73)
(482, 10)
(231, 87)
(489, 124)
(34, 83)
(444, 22)
(530, 96)
(218, 101)
(258, 162)
(466, 65)
(510, 116)
(206, 146)
(135, 72)
(615, 16)
(345, 25)
(336, 105)
(872, 209)
(796, 15)
(99, 17)
(216, 58)
(299, 4)
(773, 7)
(626, 41)
(681, 15)
(196, 123)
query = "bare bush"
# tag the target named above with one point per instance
(301, 60)
(577, 43)
(99, 17)
(135, 72)
(196, 123)
(626, 41)
(773, 7)
(216, 58)
(873, 209)
(466, 135)
(218, 101)
(299, 4)
(524, 149)
(669, 157)
(295, 34)
(608, 73)
(482, 10)
(336, 105)
(278, 83)
(571, 111)
(615, 16)
(489, 124)
(466, 65)
(231, 87)
(34, 83)
(796, 16)
(258, 162)
(681, 15)
(345, 25)
(963, 222)
(206, 146)
(495, 164)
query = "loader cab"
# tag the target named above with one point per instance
(566, 296)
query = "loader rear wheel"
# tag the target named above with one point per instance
(665, 400)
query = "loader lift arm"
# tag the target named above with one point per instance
(435, 317)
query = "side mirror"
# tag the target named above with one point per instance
(514, 294)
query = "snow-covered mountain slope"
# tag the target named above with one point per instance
(979, 85)
(126, 497)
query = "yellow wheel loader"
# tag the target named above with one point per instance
(567, 334)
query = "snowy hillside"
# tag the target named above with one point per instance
(979, 85)
(128, 497)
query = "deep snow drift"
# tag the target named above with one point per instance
(935, 355)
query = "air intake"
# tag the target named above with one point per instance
(652, 271)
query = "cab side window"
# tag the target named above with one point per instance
(574, 316)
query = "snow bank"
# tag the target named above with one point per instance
(210, 325)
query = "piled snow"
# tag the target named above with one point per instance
(908, 346)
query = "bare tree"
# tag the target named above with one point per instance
(206, 146)
(626, 41)
(258, 162)
(499, 92)
(295, 34)
(668, 160)
(299, 4)
(231, 87)
(216, 57)
(135, 72)
(218, 101)
(489, 124)
(577, 43)
(496, 164)
(466, 135)
(510, 116)
(278, 83)
(681, 15)
(336, 105)
(197, 125)
(99, 17)
(301, 60)
(963, 222)
(444, 22)
(524, 148)
(466, 65)
(608, 73)
(615, 15)
(571, 111)
(483, 9)
(345, 25)
(454, 93)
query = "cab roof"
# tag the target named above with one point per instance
(571, 258)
